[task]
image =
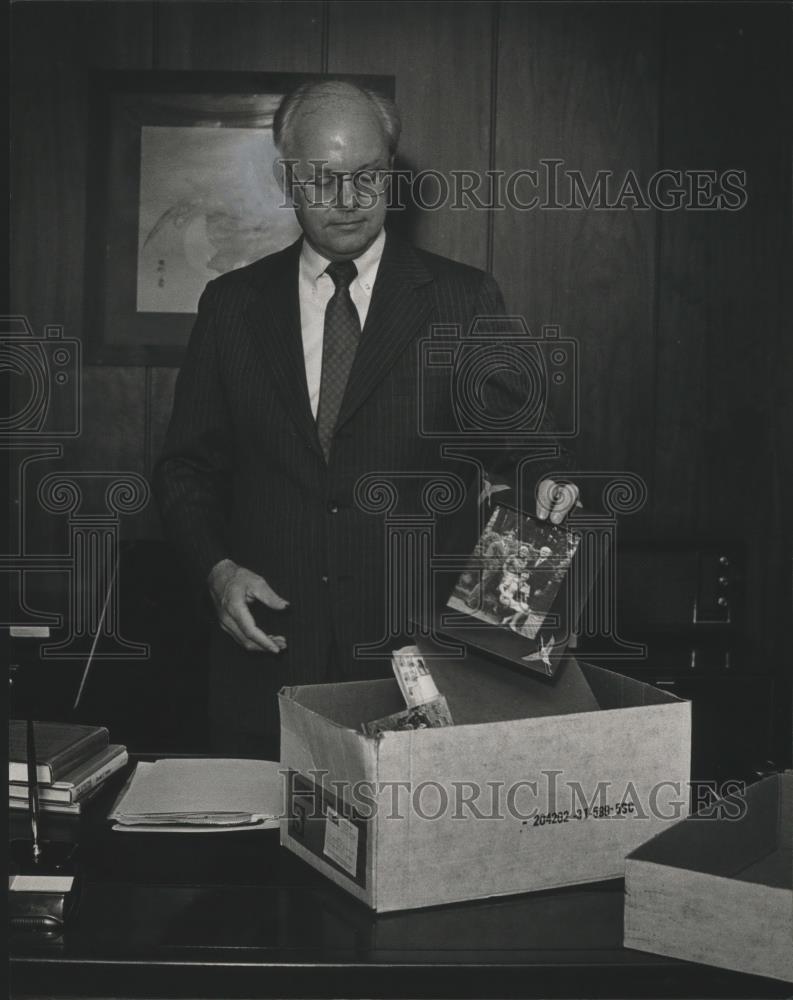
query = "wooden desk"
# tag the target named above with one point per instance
(234, 914)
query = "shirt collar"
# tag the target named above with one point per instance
(313, 264)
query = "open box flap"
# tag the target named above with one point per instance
(744, 838)
(479, 690)
(309, 744)
(614, 690)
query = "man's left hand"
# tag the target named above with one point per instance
(556, 500)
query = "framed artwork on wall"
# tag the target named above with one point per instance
(181, 189)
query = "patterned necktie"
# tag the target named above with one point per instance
(340, 341)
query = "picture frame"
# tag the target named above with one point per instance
(521, 594)
(179, 190)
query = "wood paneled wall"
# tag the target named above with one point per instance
(683, 318)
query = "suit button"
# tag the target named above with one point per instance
(325, 579)
(333, 507)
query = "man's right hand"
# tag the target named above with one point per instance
(234, 589)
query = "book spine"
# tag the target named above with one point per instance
(74, 792)
(46, 806)
(19, 790)
(113, 765)
(18, 772)
(89, 746)
(64, 808)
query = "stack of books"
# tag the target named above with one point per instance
(72, 764)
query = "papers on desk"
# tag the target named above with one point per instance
(200, 795)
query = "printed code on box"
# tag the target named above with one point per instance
(341, 841)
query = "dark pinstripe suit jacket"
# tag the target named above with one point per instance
(243, 476)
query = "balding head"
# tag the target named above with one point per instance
(326, 105)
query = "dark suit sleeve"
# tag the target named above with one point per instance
(508, 391)
(192, 478)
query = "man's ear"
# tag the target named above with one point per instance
(282, 171)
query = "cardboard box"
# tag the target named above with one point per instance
(386, 818)
(719, 889)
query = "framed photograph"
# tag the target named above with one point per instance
(518, 597)
(181, 191)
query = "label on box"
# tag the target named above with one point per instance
(327, 826)
(341, 841)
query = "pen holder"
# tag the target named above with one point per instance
(42, 892)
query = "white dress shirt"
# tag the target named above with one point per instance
(316, 290)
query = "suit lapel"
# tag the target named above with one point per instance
(399, 306)
(274, 314)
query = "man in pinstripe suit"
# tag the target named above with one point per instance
(256, 482)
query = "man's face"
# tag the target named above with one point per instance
(334, 139)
